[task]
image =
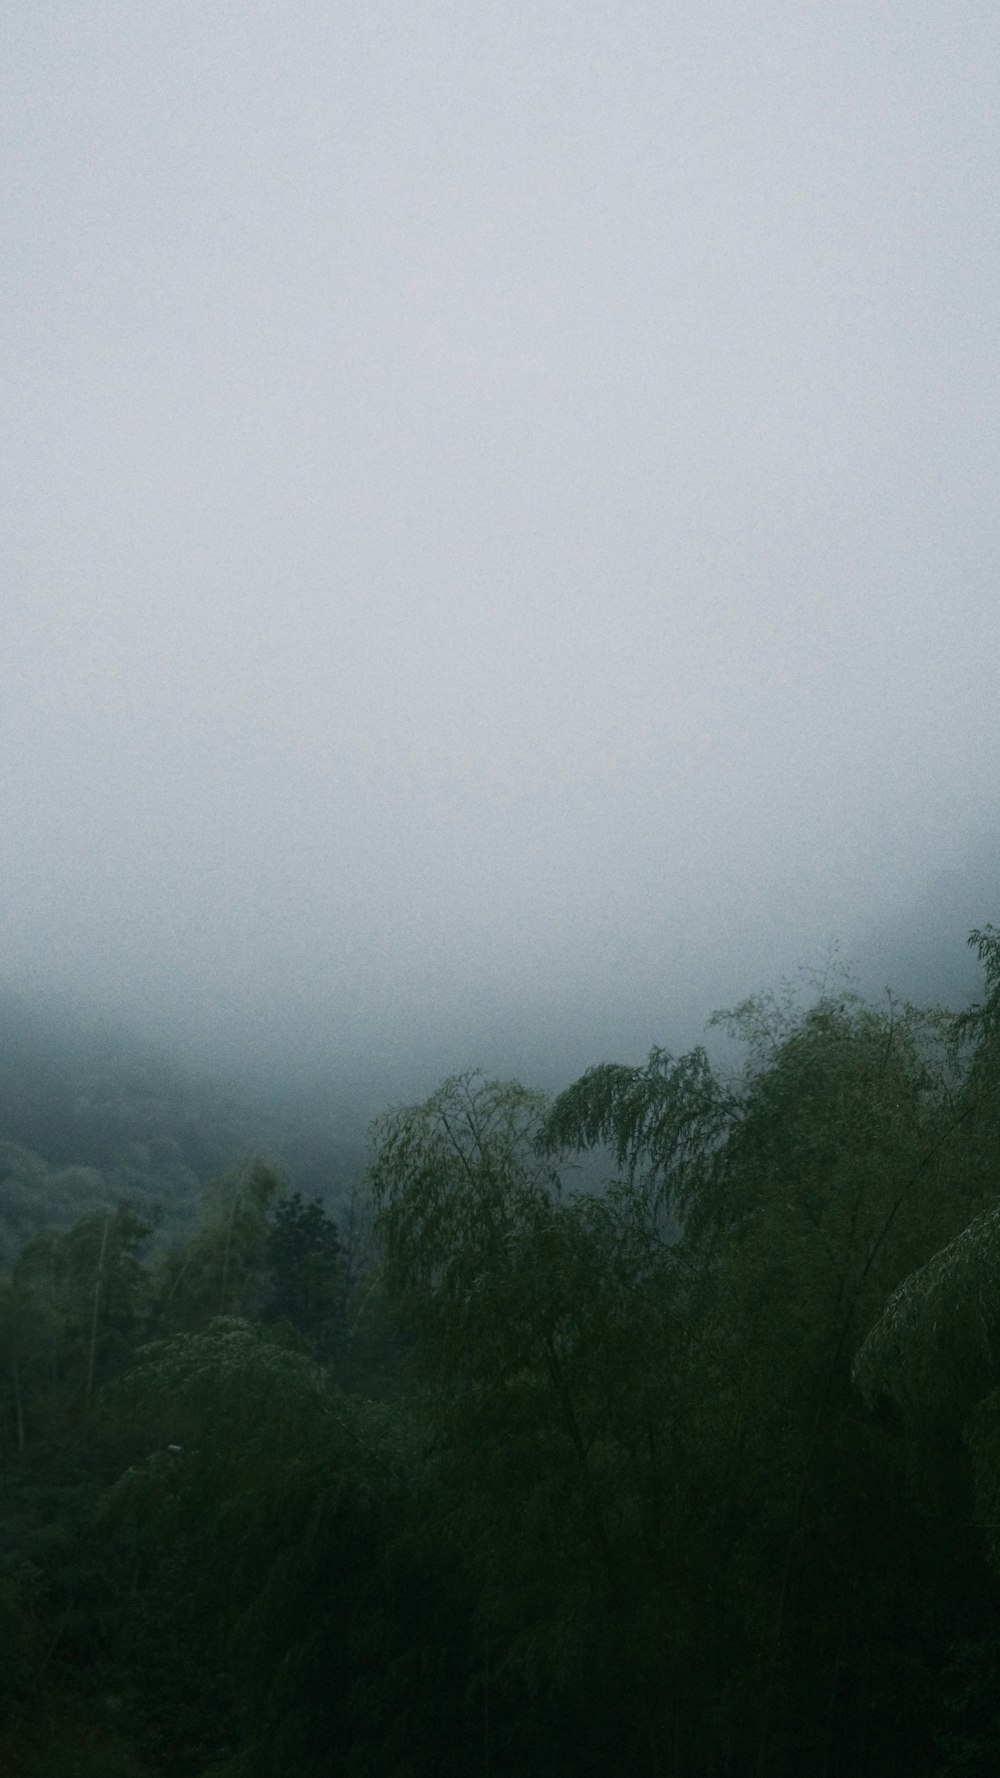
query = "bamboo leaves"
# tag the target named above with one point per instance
(938, 1328)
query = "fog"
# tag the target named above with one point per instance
(501, 526)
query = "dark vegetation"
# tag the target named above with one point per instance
(684, 1465)
(90, 1117)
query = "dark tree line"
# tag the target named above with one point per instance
(692, 1474)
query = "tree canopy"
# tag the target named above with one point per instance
(655, 1430)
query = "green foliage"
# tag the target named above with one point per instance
(307, 1280)
(220, 1269)
(801, 1193)
(970, 1745)
(459, 1186)
(840, 1145)
(280, 1544)
(34, 1195)
(978, 1028)
(664, 1124)
(935, 1340)
(933, 1348)
(21, 1632)
(554, 1328)
(692, 1473)
(70, 1312)
(90, 1115)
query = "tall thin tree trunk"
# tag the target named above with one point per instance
(487, 1739)
(838, 1664)
(96, 1317)
(238, 1193)
(18, 1408)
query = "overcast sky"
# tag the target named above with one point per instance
(500, 508)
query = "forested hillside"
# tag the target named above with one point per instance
(689, 1473)
(91, 1115)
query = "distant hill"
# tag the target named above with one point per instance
(91, 1113)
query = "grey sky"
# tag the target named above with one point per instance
(501, 521)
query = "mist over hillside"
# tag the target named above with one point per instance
(332, 1057)
(502, 552)
(499, 565)
(95, 1111)
(82, 1077)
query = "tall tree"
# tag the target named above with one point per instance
(275, 1615)
(306, 1271)
(221, 1268)
(551, 1325)
(74, 1307)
